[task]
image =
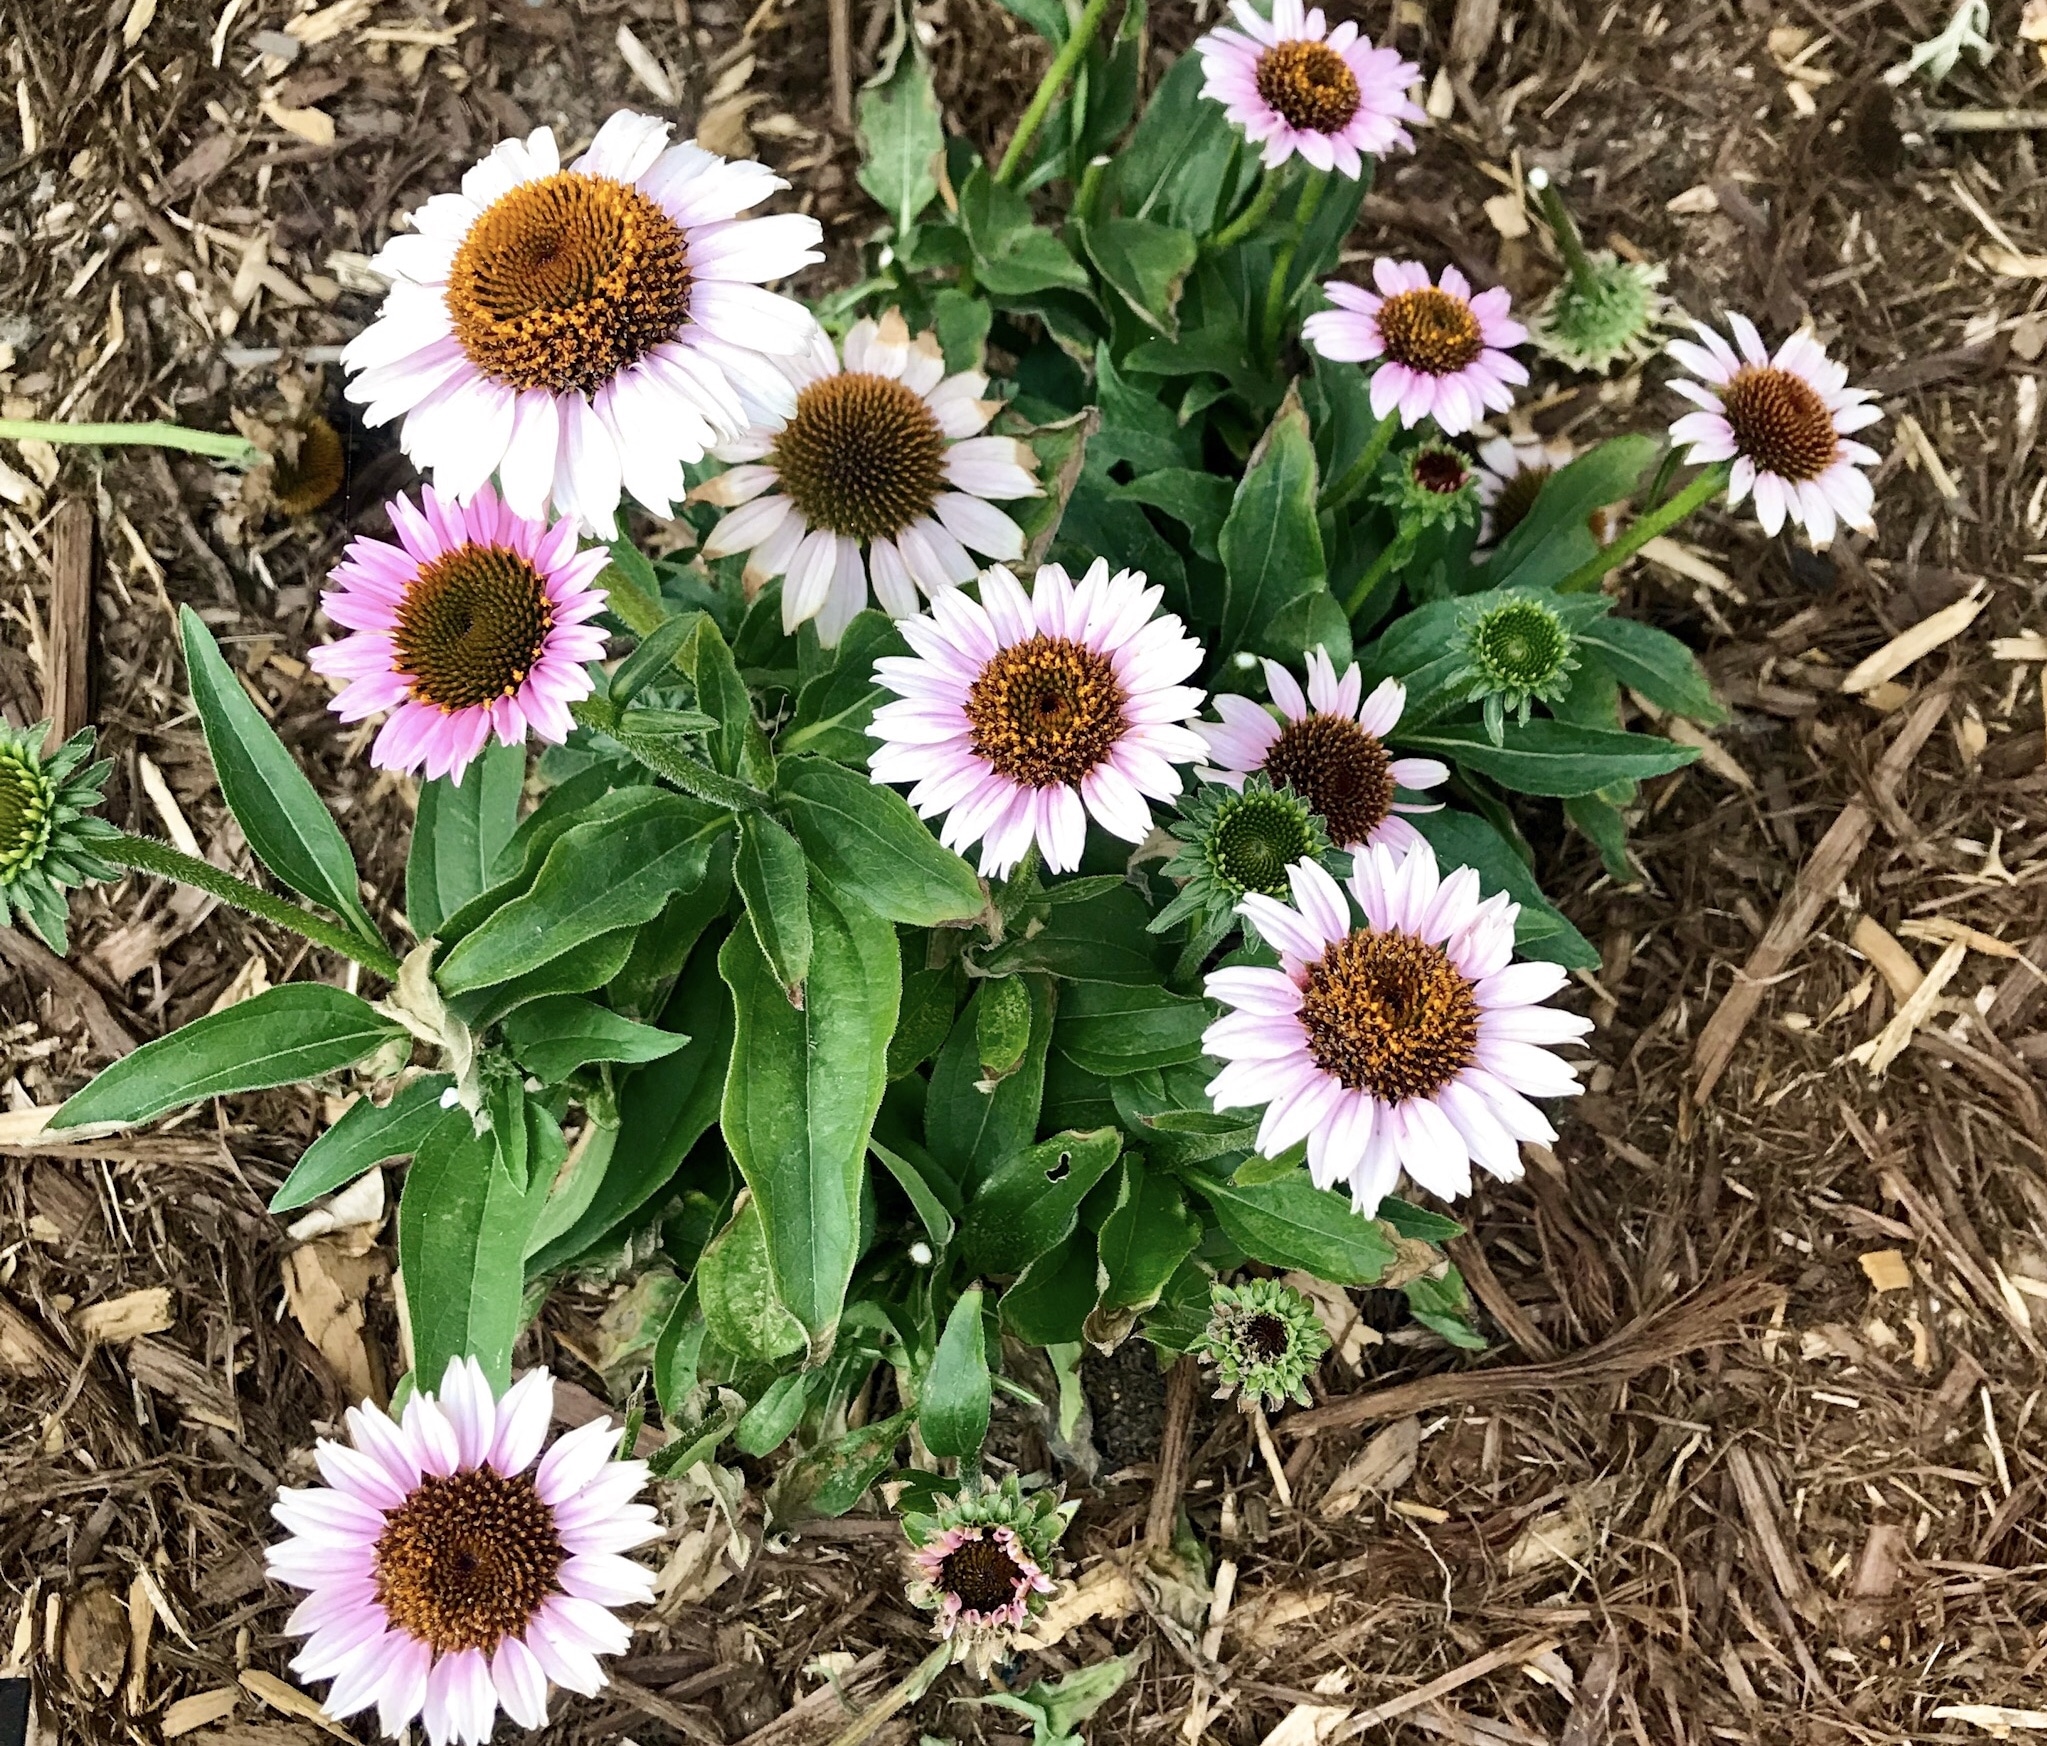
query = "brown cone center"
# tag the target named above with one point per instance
(1431, 331)
(471, 627)
(1310, 84)
(466, 1561)
(564, 282)
(863, 456)
(1780, 423)
(1046, 711)
(1518, 493)
(983, 1574)
(1341, 771)
(1389, 1014)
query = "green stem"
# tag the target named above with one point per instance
(687, 773)
(1359, 472)
(1564, 228)
(147, 855)
(1254, 214)
(154, 434)
(1049, 87)
(1275, 289)
(1710, 482)
(1397, 552)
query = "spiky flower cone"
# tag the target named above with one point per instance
(982, 1561)
(47, 833)
(1263, 1341)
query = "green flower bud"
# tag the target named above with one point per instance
(1232, 843)
(1515, 653)
(1264, 1341)
(1432, 485)
(46, 836)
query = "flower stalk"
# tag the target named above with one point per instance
(689, 774)
(1056, 78)
(1256, 210)
(1565, 229)
(1359, 473)
(1666, 515)
(154, 433)
(1275, 289)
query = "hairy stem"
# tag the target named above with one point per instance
(687, 773)
(1275, 289)
(147, 855)
(154, 434)
(1397, 552)
(1359, 473)
(1055, 81)
(1710, 482)
(1565, 229)
(1248, 220)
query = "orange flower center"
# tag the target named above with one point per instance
(1388, 1014)
(863, 456)
(1780, 422)
(1341, 771)
(1431, 331)
(466, 1561)
(1046, 711)
(1310, 84)
(471, 627)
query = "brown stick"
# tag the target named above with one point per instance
(1492, 1295)
(67, 667)
(840, 14)
(1175, 1443)
(1817, 881)
(40, 962)
(1704, 1318)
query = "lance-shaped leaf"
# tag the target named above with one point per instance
(1271, 548)
(459, 834)
(366, 1135)
(771, 875)
(1288, 1222)
(952, 1411)
(553, 1036)
(1146, 1236)
(864, 840)
(971, 1131)
(1554, 758)
(901, 140)
(1030, 1204)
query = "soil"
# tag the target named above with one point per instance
(1823, 1528)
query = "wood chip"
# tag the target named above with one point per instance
(1880, 946)
(1922, 639)
(1920, 453)
(1889, 1043)
(1693, 566)
(200, 1710)
(292, 1702)
(1385, 1464)
(127, 1317)
(67, 662)
(1886, 1270)
(651, 74)
(95, 1643)
(314, 126)
(1714, 756)
(197, 1392)
(1996, 1719)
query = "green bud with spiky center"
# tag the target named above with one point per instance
(1263, 1340)
(47, 838)
(1606, 315)
(1235, 842)
(1514, 653)
(1433, 485)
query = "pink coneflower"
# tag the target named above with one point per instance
(1443, 351)
(1297, 86)
(880, 467)
(1783, 423)
(981, 1578)
(1330, 750)
(450, 1575)
(1411, 1043)
(589, 330)
(471, 624)
(1021, 716)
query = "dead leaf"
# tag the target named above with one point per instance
(1565, 1534)
(358, 1206)
(1104, 1592)
(1889, 1043)
(646, 68)
(324, 1288)
(1350, 1336)
(95, 1641)
(1309, 1724)
(722, 127)
(200, 1709)
(128, 1317)
(252, 979)
(1386, 1463)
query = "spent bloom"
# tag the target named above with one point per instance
(1442, 352)
(1329, 747)
(1020, 716)
(47, 833)
(472, 624)
(1263, 1340)
(1294, 85)
(454, 1569)
(880, 468)
(587, 330)
(982, 1562)
(1783, 423)
(1411, 1043)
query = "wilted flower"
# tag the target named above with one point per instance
(1410, 1043)
(585, 331)
(1429, 486)
(880, 467)
(1783, 422)
(472, 624)
(1329, 748)
(1236, 840)
(1515, 652)
(982, 1561)
(47, 832)
(450, 1575)
(1021, 716)
(1442, 351)
(1263, 1340)
(1294, 85)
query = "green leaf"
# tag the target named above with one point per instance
(1012, 254)
(652, 656)
(581, 968)
(1200, 502)
(772, 878)
(459, 834)
(961, 322)
(663, 946)
(952, 1410)
(278, 1037)
(1100, 940)
(736, 1284)
(1002, 1027)
(802, 1092)
(364, 1137)
(1146, 1236)
(772, 1420)
(1441, 1303)
(1057, 1708)
(553, 1036)
(971, 1131)
(1032, 1200)
(930, 998)
(738, 748)
(598, 877)
(1144, 262)
(1554, 539)
(1606, 827)
(1046, 17)
(1289, 1222)
(505, 1106)
(864, 840)
(834, 707)
(1110, 1029)
(1061, 451)
(1136, 425)
(1271, 548)
(1657, 665)
(901, 140)
(927, 1189)
(830, 1480)
(1462, 839)
(1552, 758)
(1175, 163)
(287, 824)
(462, 1227)
(1053, 1297)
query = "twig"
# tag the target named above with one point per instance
(67, 670)
(1984, 120)
(1512, 1654)
(1261, 1428)
(1175, 1442)
(840, 13)
(39, 961)
(818, 1704)
(1492, 1295)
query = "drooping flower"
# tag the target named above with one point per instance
(1428, 486)
(472, 624)
(1021, 716)
(1294, 85)
(1443, 352)
(1329, 748)
(455, 1570)
(1234, 840)
(1411, 1043)
(1784, 424)
(982, 1561)
(880, 467)
(1263, 1341)
(589, 330)
(47, 831)
(1516, 652)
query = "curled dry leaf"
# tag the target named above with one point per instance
(1385, 1464)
